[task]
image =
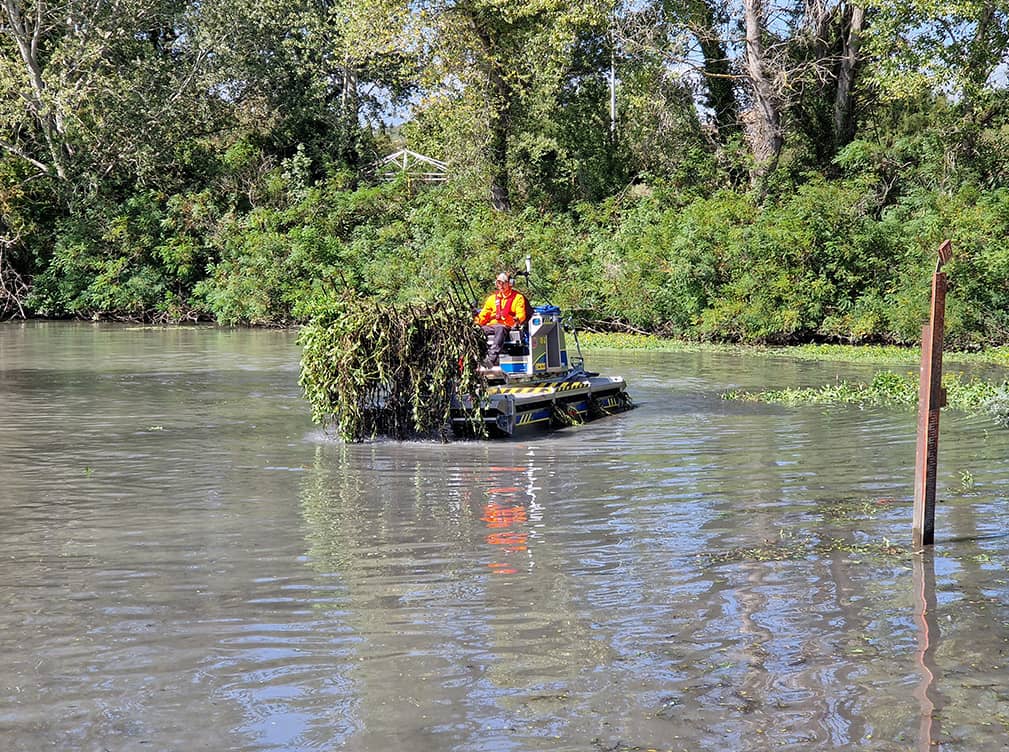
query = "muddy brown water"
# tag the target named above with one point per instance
(187, 563)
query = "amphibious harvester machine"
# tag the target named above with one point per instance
(538, 386)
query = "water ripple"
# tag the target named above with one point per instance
(188, 564)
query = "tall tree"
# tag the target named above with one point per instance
(707, 21)
(852, 30)
(34, 114)
(770, 68)
(826, 67)
(320, 73)
(766, 90)
(94, 97)
(93, 85)
(675, 90)
(954, 47)
(505, 62)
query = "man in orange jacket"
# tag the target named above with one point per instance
(504, 309)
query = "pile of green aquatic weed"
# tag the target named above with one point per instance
(886, 389)
(997, 405)
(792, 547)
(372, 370)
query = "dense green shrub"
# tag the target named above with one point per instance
(823, 262)
(111, 262)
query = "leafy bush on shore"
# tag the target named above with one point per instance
(821, 264)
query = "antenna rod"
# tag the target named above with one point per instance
(469, 286)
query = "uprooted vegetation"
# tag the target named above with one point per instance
(370, 369)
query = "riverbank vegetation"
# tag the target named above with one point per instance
(770, 173)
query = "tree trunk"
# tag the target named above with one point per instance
(718, 74)
(502, 99)
(27, 36)
(766, 138)
(844, 101)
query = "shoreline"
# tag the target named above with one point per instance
(868, 353)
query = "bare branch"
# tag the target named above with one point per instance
(12, 149)
(13, 288)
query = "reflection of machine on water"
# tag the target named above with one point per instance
(507, 513)
(537, 385)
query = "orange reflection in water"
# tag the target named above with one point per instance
(506, 515)
(497, 516)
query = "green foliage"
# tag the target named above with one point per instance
(818, 264)
(890, 389)
(212, 160)
(273, 263)
(398, 371)
(929, 45)
(138, 260)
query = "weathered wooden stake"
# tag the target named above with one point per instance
(931, 398)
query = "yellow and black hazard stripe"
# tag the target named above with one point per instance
(564, 386)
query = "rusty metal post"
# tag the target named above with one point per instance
(931, 398)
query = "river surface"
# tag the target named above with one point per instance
(187, 563)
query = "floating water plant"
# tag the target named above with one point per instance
(890, 389)
(997, 405)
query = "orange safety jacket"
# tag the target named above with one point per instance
(503, 308)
